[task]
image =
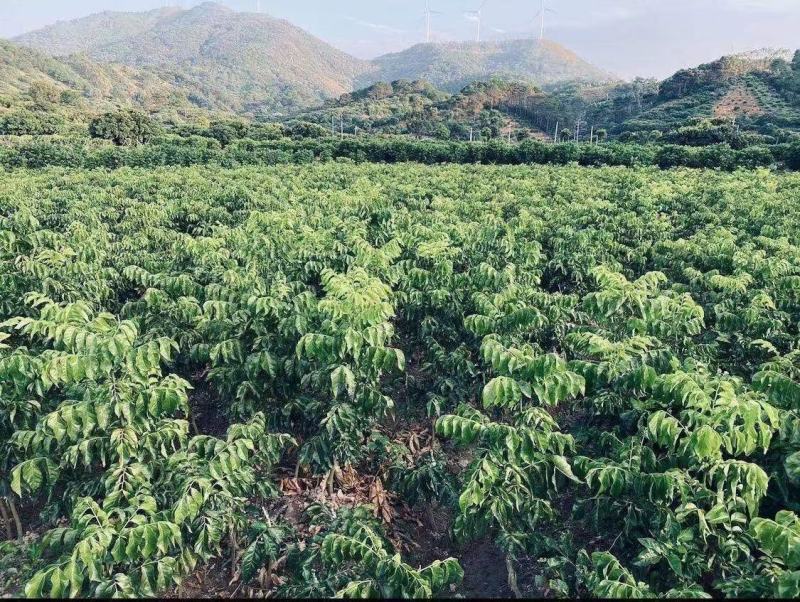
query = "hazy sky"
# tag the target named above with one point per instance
(627, 37)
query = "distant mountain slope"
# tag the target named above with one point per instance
(92, 32)
(99, 84)
(453, 65)
(250, 61)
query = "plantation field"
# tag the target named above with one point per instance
(400, 380)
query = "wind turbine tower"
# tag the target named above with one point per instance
(477, 16)
(542, 15)
(428, 14)
(541, 31)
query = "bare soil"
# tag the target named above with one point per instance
(738, 102)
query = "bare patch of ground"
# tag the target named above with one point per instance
(738, 102)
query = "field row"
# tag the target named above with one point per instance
(280, 371)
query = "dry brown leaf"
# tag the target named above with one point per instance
(348, 477)
(379, 497)
(291, 487)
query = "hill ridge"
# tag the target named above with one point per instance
(447, 64)
(254, 62)
(257, 62)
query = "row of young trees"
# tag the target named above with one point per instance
(195, 150)
(596, 371)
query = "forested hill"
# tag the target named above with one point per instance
(758, 91)
(451, 66)
(211, 58)
(76, 81)
(247, 61)
(741, 99)
(481, 110)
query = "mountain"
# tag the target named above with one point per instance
(100, 85)
(451, 66)
(212, 58)
(251, 62)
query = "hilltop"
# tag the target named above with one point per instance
(248, 62)
(451, 66)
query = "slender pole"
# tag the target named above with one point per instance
(427, 22)
(591, 135)
(555, 136)
(541, 31)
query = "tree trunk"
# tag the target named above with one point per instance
(512, 578)
(13, 507)
(6, 520)
(194, 425)
(234, 553)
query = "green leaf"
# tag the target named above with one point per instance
(501, 391)
(792, 465)
(563, 466)
(343, 379)
(706, 443)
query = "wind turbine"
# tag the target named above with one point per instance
(428, 13)
(477, 15)
(541, 14)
